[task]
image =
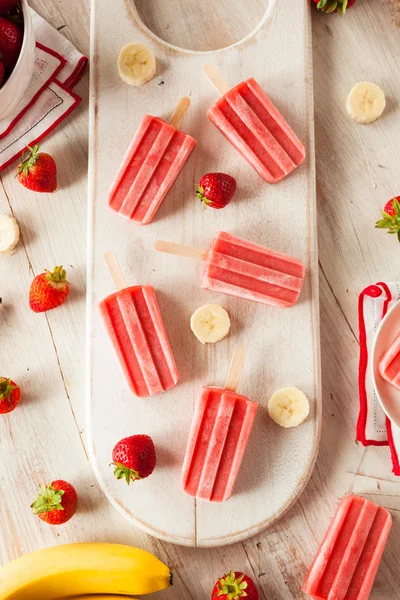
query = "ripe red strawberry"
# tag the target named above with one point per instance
(48, 290)
(7, 6)
(134, 458)
(10, 43)
(56, 502)
(216, 189)
(38, 172)
(331, 6)
(233, 586)
(10, 395)
(391, 217)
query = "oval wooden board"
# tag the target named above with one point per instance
(282, 345)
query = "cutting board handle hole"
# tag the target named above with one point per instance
(204, 25)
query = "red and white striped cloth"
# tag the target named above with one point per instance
(49, 98)
(373, 427)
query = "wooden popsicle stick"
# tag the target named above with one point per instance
(215, 78)
(235, 369)
(115, 271)
(180, 112)
(180, 250)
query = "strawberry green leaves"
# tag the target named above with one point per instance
(391, 217)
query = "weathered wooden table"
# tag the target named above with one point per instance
(357, 170)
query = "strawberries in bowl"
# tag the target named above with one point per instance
(17, 53)
(11, 36)
(7, 6)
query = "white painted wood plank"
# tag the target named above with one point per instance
(278, 462)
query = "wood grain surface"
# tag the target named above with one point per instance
(45, 437)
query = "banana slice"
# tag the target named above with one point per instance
(210, 323)
(366, 102)
(289, 407)
(136, 64)
(9, 233)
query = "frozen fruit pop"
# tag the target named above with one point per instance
(240, 268)
(348, 558)
(154, 159)
(136, 328)
(389, 366)
(218, 438)
(254, 126)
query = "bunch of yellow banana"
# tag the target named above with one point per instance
(77, 570)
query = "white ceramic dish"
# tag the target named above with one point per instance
(388, 395)
(13, 90)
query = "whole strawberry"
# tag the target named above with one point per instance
(331, 6)
(216, 189)
(233, 586)
(48, 290)
(56, 502)
(10, 43)
(7, 6)
(134, 458)
(10, 395)
(391, 217)
(38, 171)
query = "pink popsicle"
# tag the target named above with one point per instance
(154, 160)
(221, 428)
(240, 268)
(389, 366)
(254, 126)
(136, 329)
(348, 558)
(218, 438)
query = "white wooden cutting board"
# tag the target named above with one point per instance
(282, 345)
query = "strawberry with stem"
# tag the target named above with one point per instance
(38, 171)
(391, 217)
(56, 502)
(10, 395)
(331, 6)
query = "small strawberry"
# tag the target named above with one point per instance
(38, 172)
(216, 189)
(48, 290)
(134, 458)
(10, 395)
(233, 586)
(56, 502)
(331, 6)
(7, 6)
(10, 43)
(391, 217)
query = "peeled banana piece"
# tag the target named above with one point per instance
(136, 64)
(75, 570)
(210, 323)
(289, 407)
(9, 233)
(366, 102)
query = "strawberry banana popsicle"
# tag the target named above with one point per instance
(154, 160)
(389, 366)
(240, 268)
(348, 559)
(220, 430)
(136, 328)
(254, 126)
